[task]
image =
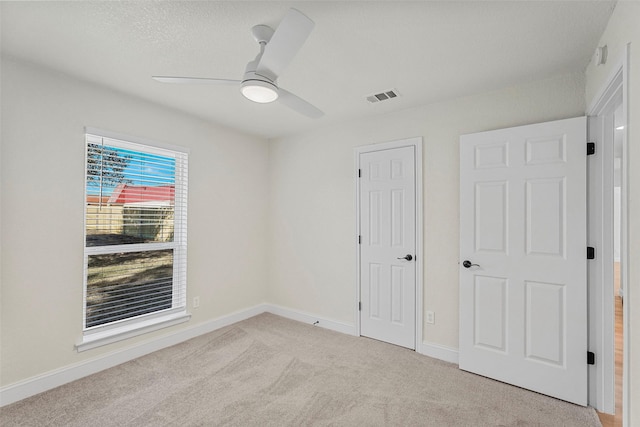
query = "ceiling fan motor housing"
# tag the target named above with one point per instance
(258, 88)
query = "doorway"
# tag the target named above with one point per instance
(608, 233)
(619, 233)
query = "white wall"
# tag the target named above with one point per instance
(42, 173)
(623, 29)
(312, 256)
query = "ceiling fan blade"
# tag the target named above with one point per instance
(298, 104)
(194, 80)
(288, 38)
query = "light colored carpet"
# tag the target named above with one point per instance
(268, 370)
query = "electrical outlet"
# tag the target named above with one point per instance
(196, 302)
(431, 317)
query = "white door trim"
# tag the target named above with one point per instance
(415, 142)
(601, 313)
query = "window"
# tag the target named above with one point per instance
(135, 238)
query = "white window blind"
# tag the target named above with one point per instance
(135, 234)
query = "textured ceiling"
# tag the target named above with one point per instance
(427, 50)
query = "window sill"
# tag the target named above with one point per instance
(110, 336)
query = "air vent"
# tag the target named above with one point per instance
(383, 96)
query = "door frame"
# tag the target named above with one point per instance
(415, 142)
(601, 308)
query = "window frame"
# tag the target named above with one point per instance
(107, 333)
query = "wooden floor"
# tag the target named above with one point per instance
(606, 419)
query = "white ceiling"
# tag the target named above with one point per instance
(427, 50)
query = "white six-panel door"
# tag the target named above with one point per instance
(523, 307)
(388, 239)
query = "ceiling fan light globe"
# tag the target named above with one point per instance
(259, 91)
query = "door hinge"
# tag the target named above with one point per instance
(359, 239)
(359, 306)
(591, 148)
(591, 252)
(359, 173)
(591, 358)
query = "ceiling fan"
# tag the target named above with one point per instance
(277, 49)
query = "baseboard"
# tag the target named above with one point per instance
(438, 351)
(52, 379)
(301, 316)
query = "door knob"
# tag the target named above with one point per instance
(468, 264)
(408, 257)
